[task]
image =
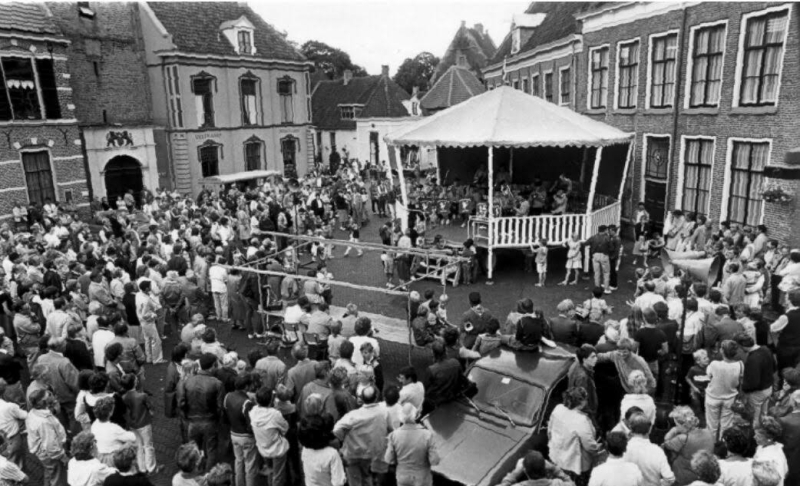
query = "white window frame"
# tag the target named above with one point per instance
(544, 85)
(737, 81)
(643, 180)
(687, 86)
(638, 71)
(681, 169)
(539, 82)
(648, 105)
(726, 188)
(590, 80)
(561, 70)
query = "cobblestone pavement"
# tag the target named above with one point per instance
(511, 284)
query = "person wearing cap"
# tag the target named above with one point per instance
(600, 249)
(474, 321)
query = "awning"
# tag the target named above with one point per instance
(239, 176)
(508, 117)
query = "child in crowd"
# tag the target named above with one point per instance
(490, 340)
(596, 307)
(540, 248)
(387, 259)
(355, 234)
(335, 341)
(139, 419)
(654, 245)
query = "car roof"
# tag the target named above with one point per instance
(542, 368)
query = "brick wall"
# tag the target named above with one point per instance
(106, 62)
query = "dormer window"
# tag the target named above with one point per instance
(245, 42)
(350, 112)
(240, 33)
(84, 10)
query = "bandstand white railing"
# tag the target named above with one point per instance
(522, 231)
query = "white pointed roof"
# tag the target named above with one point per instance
(508, 117)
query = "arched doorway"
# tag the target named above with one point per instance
(123, 172)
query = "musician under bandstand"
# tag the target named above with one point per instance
(511, 169)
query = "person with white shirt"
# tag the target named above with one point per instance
(100, 339)
(769, 449)
(363, 328)
(650, 458)
(218, 277)
(737, 468)
(412, 391)
(616, 471)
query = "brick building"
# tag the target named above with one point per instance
(40, 147)
(710, 89)
(233, 94)
(111, 93)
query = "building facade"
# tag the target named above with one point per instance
(233, 94)
(111, 93)
(41, 154)
(711, 92)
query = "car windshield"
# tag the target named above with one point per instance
(519, 400)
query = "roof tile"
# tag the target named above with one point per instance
(194, 27)
(26, 17)
(380, 95)
(456, 85)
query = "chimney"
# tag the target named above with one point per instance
(479, 28)
(463, 23)
(461, 60)
(385, 70)
(414, 91)
(347, 76)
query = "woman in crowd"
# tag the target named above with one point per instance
(110, 436)
(571, 436)
(84, 469)
(683, 441)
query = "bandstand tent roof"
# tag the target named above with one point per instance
(508, 117)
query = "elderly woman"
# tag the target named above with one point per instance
(571, 436)
(564, 327)
(706, 467)
(683, 441)
(637, 396)
(626, 361)
(110, 436)
(84, 469)
(769, 449)
(411, 447)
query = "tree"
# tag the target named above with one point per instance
(416, 72)
(330, 60)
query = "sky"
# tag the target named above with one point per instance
(379, 32)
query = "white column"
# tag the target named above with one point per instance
(590, 203)
(490, 239)
(403, 192)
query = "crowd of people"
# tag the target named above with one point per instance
(86, 307)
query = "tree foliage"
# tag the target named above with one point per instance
(330, 60)
(416, 72)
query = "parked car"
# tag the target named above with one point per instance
(480, 439)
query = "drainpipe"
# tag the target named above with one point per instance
(678, 83)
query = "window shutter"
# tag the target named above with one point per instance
(47, 81)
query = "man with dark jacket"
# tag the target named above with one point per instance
(200, 403)
(237, 406)
(445, 381)
(757, 381)
(474, 321)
